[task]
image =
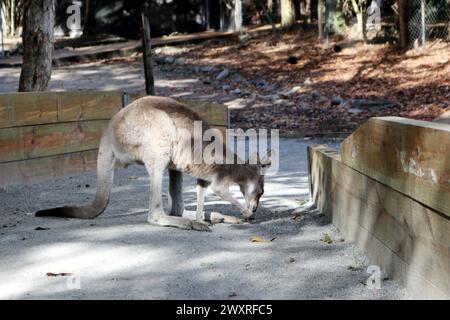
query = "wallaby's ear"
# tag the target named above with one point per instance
(266, 161)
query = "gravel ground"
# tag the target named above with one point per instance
(120, 256)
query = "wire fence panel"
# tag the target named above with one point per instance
(428, 20)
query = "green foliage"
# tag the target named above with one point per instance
(338, 22)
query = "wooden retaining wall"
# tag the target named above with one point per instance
(388, 191)
(48, 134)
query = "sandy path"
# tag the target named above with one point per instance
(119, 255)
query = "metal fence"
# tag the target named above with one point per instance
(428, 20)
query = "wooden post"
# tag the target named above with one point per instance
(147, 52)
(403, 22)
(422, 13)
(238, 16)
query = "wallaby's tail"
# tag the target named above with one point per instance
(105, 175)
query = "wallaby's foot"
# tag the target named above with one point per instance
(217, 217)
(177, 222)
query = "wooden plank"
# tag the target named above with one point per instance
(32, 108)
(410, 242)
(89, 105)
(410, 156)
(44, 140)
(34, 170)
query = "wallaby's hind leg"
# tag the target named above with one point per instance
(156, 214)
(176, 193)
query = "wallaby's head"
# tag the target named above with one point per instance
(252, 187)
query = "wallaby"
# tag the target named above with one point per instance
(157, 132)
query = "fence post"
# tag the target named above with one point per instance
(147, 48)
(422, 13)
(403, 24)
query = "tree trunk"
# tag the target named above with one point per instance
(321, 17)
(305, 11)
(12, 21)
(360, 8)
(403, 22)
(238, 15)
(361, 18)
(37, 39)
(90, 22)
(270, 5)
(287, 14)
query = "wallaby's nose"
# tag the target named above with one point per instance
(254, 209)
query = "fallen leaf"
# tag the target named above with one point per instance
(327, 238)
(61, 274)
(41, 228)
(353, 268)
(133, 178)
(260, 239)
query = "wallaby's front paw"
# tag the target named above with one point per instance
(231, 220)
(200, 226)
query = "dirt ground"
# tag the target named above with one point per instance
(331, 89)
(120, 256)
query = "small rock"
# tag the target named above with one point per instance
(291, 260)
(292, 91)
(232, 294)
(307, 82)
(169, 60)
(226, 87)
(244, 38)
(335, 101)
(354, 111)
(316, 95)
(237, 91)
(222, 75)
(206, 68)
(206, 81)
(237, 78)
(179, 61)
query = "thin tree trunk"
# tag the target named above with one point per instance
(270, 5)
(403, 23)
(321, 17)
(37, 39)
(287, 14)
(91, 23)
(238, 15)
(359, 6)
(146, 44)
(12, 21)
(305, 11)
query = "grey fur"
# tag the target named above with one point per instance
(157, 132)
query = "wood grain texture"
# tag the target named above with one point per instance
(410, 156)
(43, 134)
(410, 242)
(35, 170)
(33, 108)
(30, 142)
